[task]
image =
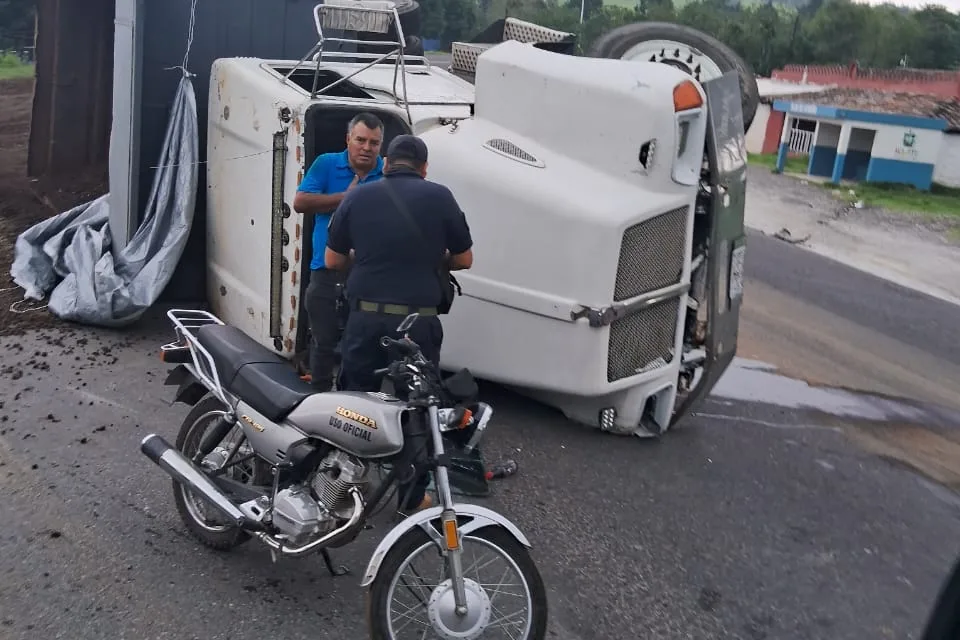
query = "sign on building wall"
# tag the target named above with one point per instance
(907, 144)
(907, 150)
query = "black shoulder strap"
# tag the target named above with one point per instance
(416, 227)
(406, 213)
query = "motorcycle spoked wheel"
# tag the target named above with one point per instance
(436, 600)
(193, 510)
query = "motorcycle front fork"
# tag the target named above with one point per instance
(448, 519)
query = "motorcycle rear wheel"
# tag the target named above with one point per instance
(209, 532)
(416, 541)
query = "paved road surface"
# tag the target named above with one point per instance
(748, 521)
(821, 320)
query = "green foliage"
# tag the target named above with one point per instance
(768, 35)
(16, 24)
(12, 67)
(902, 198)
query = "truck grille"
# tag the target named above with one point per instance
(651, 254)
(642, 341)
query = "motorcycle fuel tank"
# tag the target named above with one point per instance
(367, 425)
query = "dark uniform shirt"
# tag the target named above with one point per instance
(393, 262)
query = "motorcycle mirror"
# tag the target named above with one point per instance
(408, 322)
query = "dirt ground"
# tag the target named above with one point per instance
(25, 201)
(915, 251)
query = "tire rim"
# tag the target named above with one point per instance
(196, 506)
(675, 54)
(437, 599)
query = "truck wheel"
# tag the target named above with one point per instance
(700, 55)
(409, 13)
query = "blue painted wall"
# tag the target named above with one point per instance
(782, 156)
(856, 165)
(837, 173)
(883, 170)
(804, 110)
(821, 161)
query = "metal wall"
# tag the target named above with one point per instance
(223, 28)
(72, 100)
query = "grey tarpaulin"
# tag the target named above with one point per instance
(72, 253)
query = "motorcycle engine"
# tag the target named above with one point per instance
(302, 515)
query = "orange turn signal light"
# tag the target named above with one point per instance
(450, 534)
(686, 96)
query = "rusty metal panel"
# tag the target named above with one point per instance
(72, 111)
(72, 107)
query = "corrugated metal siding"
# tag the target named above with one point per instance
(223, 28)
(72, 106)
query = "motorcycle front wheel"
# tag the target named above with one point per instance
(412, 597)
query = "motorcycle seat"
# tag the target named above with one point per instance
(252, 372)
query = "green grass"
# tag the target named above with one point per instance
(11, 67)
(769, 160)
(939, 201)
(904, 198)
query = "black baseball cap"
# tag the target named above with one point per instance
(407, 147)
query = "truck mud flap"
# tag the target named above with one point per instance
(727, 153)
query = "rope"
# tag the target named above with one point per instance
(198, 162)
(183, 67)
(15, 307)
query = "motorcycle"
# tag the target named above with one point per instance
(261, 455)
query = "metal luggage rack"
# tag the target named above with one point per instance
(186, 321)
(367, 16)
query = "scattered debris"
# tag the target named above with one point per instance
(785, 235)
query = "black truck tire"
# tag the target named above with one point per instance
(689, 49)
(410, 14)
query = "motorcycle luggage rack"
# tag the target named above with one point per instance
(367, 16)
(185, 322)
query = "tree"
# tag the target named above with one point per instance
(16, 24)
(938, 43)
(459, 21)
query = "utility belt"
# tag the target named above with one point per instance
(393, 309)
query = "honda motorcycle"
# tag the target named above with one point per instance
(261, 455)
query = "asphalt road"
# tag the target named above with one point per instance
(749, 520)
(820, 320)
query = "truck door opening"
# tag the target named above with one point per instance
(325, 131)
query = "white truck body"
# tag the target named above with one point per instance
(578, 189)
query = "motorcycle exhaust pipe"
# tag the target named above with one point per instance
(186, 473)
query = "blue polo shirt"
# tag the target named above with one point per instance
(330, 173)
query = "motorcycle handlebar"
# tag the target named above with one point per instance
(405, 346)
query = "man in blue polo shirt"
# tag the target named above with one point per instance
(329, 178)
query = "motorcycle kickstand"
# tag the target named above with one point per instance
(336, 572)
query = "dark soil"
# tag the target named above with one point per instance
(26, 201)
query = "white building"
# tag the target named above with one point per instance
(769, 90)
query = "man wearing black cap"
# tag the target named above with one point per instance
(394, 234)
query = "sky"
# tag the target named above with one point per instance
(952, 5)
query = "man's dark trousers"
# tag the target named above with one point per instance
(362, 355)
(322, 294)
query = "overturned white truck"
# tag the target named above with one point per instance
(605, 197)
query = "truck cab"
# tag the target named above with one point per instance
(605, 198)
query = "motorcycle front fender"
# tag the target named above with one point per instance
(479, 517)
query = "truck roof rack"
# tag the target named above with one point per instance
(465, 54)
(362, 16)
